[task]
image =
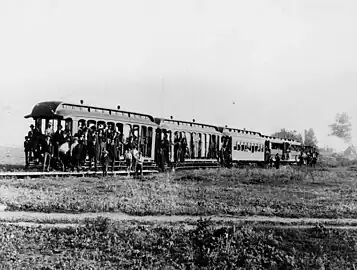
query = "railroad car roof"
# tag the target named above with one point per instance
(54, 109)
(240, 132)
(178, 125)
(280, 140)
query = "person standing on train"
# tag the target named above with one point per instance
(166, 149)
(58, 139)
(47, 153)
(110, 144)
(83, 140)
(102, 141)
(177, 146)
(49, 131)
(91, 141)
(183, 147)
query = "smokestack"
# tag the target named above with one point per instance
(81, 101)
(118, 107)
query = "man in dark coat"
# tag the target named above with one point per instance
(277, 161)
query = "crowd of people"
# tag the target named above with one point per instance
(103, 145)
(186, 148)
(308, 158)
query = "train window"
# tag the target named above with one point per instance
(99, 123)
(150, 135)
(110, 124)
(252, 149)
(119, 127)
(91, 123)
(136, 131)
(81, 123)
(110, 112)
(144, 141)
(61, 123)
(88, 109)
(126, 131)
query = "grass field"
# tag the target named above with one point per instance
(102, 244)
(212, 192)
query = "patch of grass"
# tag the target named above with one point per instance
(102, 244)
(284, 193)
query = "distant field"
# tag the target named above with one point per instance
(212, 192)
(12, 155)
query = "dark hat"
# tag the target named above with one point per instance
(32, 125)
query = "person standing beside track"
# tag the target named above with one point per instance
(139, 165)
(27, 149)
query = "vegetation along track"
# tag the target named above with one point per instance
(64, 220)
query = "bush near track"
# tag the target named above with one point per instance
(285, 193)
(101, 244)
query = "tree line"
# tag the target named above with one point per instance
(340, 128)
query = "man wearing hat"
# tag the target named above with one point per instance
(49, 131)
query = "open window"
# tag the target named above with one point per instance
(126, 132)
(91, 123)
(68, 126)
(150, 141)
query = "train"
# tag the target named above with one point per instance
(204, 141)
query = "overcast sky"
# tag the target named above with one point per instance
(284, 63)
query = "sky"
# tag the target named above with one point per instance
(262, 65)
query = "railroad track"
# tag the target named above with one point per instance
(34, 174)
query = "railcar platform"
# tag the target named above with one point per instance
(35, 174)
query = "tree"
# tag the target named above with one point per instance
(288, 134)
(310, 138)
(342, 127)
